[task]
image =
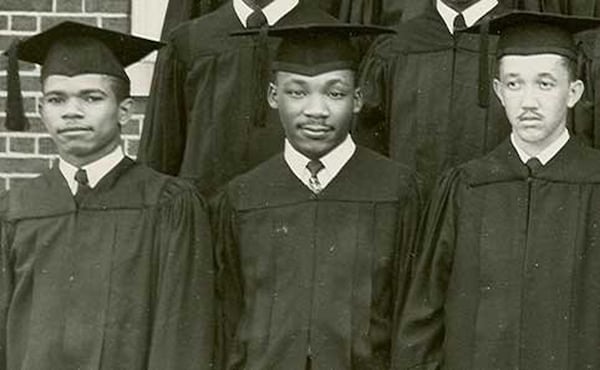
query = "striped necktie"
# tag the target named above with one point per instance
(314, 167)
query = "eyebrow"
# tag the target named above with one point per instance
(81, 92)
(547, 74)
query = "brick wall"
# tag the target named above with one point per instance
(24, 154)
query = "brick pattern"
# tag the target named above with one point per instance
(25, 154)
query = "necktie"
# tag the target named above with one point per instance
(534, 165)
(314, 167)
(459, 23)
(83, 185)
(257, 19)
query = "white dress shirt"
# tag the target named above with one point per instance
(333, 161)
(273, 11)
(545, 155)
(472, 14)
(95, 170)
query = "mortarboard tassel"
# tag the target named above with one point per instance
(15, 115)
(484, 80)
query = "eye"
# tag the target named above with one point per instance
(93, 98)
(54, 99)
(513, 85)
(296, 93)
(546, 84)
(336, 94)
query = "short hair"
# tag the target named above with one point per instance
(119, 87)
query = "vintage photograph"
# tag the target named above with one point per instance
(299, 185)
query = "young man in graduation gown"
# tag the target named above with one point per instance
(508, 268)
(105, 263)
(312, 246)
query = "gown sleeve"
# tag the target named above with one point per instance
(6, 280)
(421, 333)
(229, 288)
(163, 137)
(371, 129)
(407, 230)
(183, 327)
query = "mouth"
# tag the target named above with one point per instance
(315, 130)
(74, 130)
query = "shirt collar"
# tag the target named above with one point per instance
(545, 155)
(273, 11)
(333, 161)
(472, 14)
(95, 170)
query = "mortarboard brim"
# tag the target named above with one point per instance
(315, 43)
(529, 33)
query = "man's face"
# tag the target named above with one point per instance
(82, 116)
(316, 111)
(536, 92)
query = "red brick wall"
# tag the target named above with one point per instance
(25, 154)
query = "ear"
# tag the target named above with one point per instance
(498, 90)
(576, 89)
(272, 96)
(357, 100)
(125, 108)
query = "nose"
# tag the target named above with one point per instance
(529, 98)
(72, 108)
(316, 106)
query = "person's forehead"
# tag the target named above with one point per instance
(88, 81)
(342, 75)
(534, 62)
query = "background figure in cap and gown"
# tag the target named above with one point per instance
(312, 246)
(105, 263)
(425, 104)
(508, 263)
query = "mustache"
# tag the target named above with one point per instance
(530, 115)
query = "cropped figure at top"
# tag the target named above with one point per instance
(313, 245)
(508, 263)
(105, 263)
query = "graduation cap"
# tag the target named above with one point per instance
(314, 42)
(71, 49)
(530, 33)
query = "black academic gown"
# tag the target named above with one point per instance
(422, 106)
(320, 276)
(123, 282)
(509, 271)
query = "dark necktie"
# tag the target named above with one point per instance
(459, 23)
(314, 167)
(83, 185)
(257, 19)
(534, 165)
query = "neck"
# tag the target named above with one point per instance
(459, 5)
(260, 3)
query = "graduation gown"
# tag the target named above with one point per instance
(125, 281)
(207, 118)
(314, 276)
(421, 98)
(508, 274)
